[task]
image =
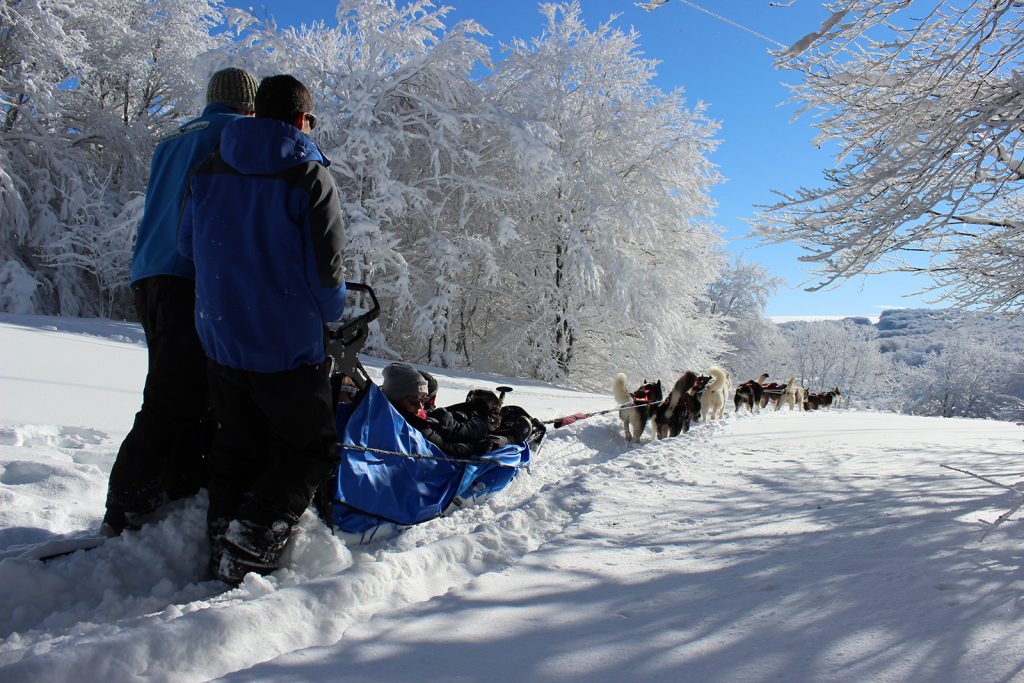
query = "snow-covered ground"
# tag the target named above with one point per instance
(782, 547)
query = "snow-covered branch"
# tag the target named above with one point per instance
(926, 109)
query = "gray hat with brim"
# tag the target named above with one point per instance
(401, 380)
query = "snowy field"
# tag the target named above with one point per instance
(782, 547)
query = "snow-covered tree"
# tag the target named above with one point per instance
(839, 353)
(611, 257)
(547, 221)
(753, 342)
(517, 225)
(85, 87)
(422, 160)
(924, 102)
(970, 377)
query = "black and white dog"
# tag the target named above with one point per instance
(674, 416)
(644, 400)
(750, 394)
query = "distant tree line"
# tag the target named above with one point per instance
(917, 361)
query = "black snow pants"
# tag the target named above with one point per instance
(162, 458)
(276, 444)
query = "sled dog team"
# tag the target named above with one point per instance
(703, 397)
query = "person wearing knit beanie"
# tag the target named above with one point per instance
(403, 381)
(163, 456)
(234, 88)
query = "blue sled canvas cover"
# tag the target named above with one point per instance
(390, 477)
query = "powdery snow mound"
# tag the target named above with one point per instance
(780, 546)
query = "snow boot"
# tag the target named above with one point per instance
(116, 521)
(250, 547)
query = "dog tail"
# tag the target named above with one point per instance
(720, 376)
(674, 398)
(683, 386)
(619, 389)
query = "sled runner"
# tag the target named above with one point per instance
(45, 551)
(390, 477)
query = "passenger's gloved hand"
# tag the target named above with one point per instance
(495, 442)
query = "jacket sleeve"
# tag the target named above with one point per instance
(457, 428)
(454, 449)
(327, 236)
(437, 429)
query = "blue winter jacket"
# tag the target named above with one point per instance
(156, 249)
(263, 224)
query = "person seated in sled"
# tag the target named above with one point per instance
(508, 424)
(462, 431)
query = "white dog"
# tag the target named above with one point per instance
(715, 394)
(801, 398)
(791, 395)
(646, 401)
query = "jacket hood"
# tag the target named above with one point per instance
(264, 146)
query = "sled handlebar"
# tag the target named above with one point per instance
(346, 340)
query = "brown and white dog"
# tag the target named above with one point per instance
(826, 398)
(822, 399)
(680, 409)
(644, 400)
(750, 393)
(715, 394)
(801, 397)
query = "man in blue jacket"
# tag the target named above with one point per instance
(161, 459)
(262, 221)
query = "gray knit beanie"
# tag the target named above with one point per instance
(234, 88)
(401, 380)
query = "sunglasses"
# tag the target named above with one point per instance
(418, 400)
(311, 118)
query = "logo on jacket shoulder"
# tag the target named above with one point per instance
(185, 130)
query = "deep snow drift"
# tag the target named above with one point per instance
(784, 546)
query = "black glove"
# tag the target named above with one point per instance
(494, 442)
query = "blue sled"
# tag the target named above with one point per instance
(390, 477)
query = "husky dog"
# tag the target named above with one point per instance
(800, 394)
(772, 393)
(788, 395)
(812, 402)
(682, 407)
(635, 418)
(750, 393)
(826, 397)
(715, 394)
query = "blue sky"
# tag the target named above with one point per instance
(762, 148)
